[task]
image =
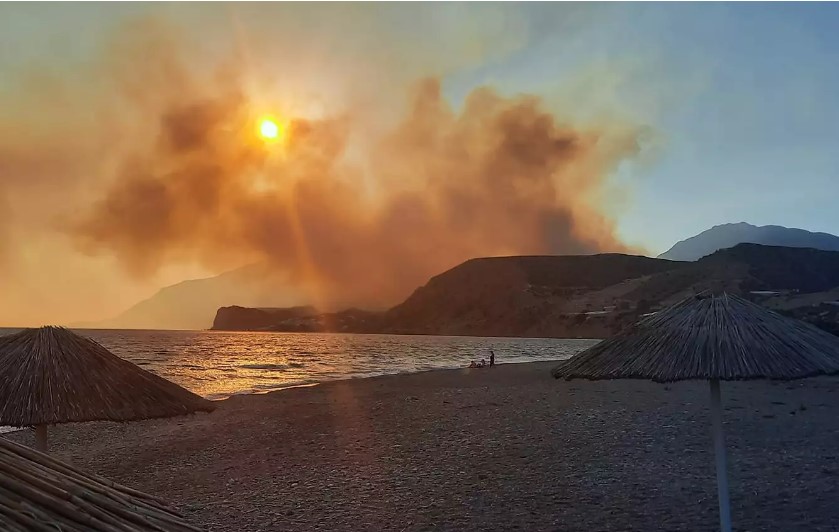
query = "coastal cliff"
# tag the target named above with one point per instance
(236, 318)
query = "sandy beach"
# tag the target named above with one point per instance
(507, 448)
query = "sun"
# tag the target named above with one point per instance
(269, 129)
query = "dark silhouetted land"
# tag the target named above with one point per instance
(582, 296)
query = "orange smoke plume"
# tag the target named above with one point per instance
(354, 215)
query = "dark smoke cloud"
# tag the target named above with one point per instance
(500, 176)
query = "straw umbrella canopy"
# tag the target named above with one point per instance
(714, 338)
(38, 492)
(51, 375)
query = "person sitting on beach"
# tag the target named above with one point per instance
(482, 363)
(472, 364)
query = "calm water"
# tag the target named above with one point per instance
(219, 364)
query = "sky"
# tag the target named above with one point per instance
(645, 124)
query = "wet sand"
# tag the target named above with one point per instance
(507, 448)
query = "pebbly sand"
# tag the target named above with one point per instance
(507, 448)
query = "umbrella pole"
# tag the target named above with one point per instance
(41, 438)
(719, 449)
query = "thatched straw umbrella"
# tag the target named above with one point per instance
(716, 338)
(51, 375)
(38, 492)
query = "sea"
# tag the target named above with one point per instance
(217, 364)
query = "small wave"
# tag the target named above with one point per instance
(269, 386)
(258, 388)
(217, 396)
(275, 367)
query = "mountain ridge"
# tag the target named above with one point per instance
(582, 295)
(724, 236)
(190, 304)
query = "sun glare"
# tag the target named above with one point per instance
(269, 129)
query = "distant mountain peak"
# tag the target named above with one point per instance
(734, 225)
(730, 234)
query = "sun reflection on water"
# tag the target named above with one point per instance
(219, 364)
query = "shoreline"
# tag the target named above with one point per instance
(492, 449)
(223, 397)
(218, 365)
